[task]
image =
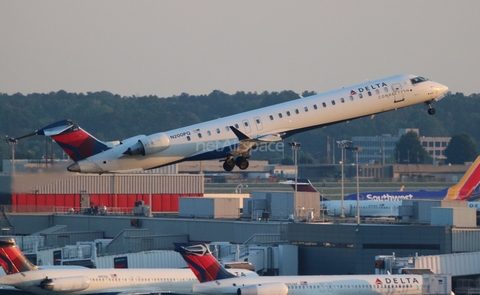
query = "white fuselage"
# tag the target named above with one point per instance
(306, 285)
(87, 281)
(214, 139)
(367, 208)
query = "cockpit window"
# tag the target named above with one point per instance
(418, 80)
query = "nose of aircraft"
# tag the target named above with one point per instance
(442, 89)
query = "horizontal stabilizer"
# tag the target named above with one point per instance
(49, 130)
(55, 128)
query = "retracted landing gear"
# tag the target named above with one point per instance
(431, 110)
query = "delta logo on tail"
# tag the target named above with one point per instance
(75, 142)
(463, 190)
(201, 261)
(11, 258)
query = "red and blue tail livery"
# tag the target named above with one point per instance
(74, 141)
(201, 261)
(12, 259)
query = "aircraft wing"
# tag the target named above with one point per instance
(247, 142)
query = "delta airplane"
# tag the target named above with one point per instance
(216, 280)
(21, 274)
(231, 139)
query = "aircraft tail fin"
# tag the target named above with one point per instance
(201, 261)
(76, 142)
(304, 185)
(465, 187)
(12, 259)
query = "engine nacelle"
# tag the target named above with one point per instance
(66, 284)
(264, 289)
(149, 145)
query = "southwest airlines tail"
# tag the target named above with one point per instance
(76, 142)
(12, 259)
(201, 261)
(465, 187)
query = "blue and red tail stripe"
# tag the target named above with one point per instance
(201, 261)
(12, 259)
(79, 144)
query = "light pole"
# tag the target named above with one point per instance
(295, 147)
(357, 149)
(12, 142)
(343, 144)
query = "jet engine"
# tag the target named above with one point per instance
(264, 289)
(66, 284)
(149, 145)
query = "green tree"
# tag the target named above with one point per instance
(461, 149)
(409, 150)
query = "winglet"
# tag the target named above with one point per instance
(241, 136)
(12, 259)
(201, 261)
(465, 187)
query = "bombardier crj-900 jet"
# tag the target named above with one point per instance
(231, 138)
(77, 280)
(214, 279)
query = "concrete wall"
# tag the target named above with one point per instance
(324, 249)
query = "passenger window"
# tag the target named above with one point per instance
(333, 102)
(188, 138)
(209, 133)
(271, 117)
(385, 89)
(236, 126)
(246, 124)
(296, 111)
(218, 130)
(288, 113)
(280, 115)
(377, 91)
(258, 121)
(342, 100)
(315, 106)
(199, 135)
(369, 93)
(351, 98)
(227, 128)
(360, 95)
(324, 104)
(306, 109)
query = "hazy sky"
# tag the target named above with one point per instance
(166, 48)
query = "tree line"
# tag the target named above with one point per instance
(109, 117)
